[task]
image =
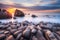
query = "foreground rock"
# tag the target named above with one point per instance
(29, 31)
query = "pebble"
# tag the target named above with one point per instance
(29, 31)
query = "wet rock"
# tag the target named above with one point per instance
(33, 16)
(25, 23)
(58, 32)
(41, 24)
(18, 25)
(19, 13)
(9, 28)
(2, 31)
(40, 36)
(22, 28)
(55, 29)
(57, 36)
(34, 31)
(50, 35)
(17, 33)
(4, 14)
(2, 37)
(0, 22)
(19, 36)
(58, 28)
(3, 27)
(56, 25)
(13, 26)
(27, 33)
(34, 38)
(13, 30)
(6, 32)
(10, 38)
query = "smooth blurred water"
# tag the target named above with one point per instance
(45, 18)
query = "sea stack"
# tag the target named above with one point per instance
(19, 13)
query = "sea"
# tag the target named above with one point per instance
(45, 17)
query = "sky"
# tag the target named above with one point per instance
(35, 5)
(31, 2)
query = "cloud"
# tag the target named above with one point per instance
(46, 2)
(36, 5)
(47, 11)
(27, 4)
(7, 1)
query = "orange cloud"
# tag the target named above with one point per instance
(41, 11)
(48, 11)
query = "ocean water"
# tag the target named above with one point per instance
(55, 18)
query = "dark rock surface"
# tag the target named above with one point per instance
(33, 16)
(19, 13)
(17, 31)
(4, 14)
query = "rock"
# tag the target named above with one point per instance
(55, 28)
(34, 38)
(19, 36)
(50, 35)
(33, 16)
(10, 38)
(13, 26)
(27, 33)
(57, 36)
(58, 32)
(17, 33)
(4, 14)
(9, 28)
(6, 32)
(22, 28)
(34, 31)
(0, 10)
(0, 22)
(13, 30)
(2, 37)
(25, 23)
(58, 28)
(40, 36)
(56, 25)
(19, 13)
(1, 31)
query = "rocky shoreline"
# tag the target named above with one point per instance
(29, 31)
(4, 14)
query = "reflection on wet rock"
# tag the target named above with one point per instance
(29, 31)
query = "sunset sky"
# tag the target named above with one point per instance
(33, 5)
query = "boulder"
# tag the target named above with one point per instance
(2, 36)
(4, 14)
(10, 38)
(19, 13)
(40, 35)
(27, 33)
(33, 16)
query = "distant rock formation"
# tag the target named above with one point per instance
(33, 16)
(19, 13)
(4, 14)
